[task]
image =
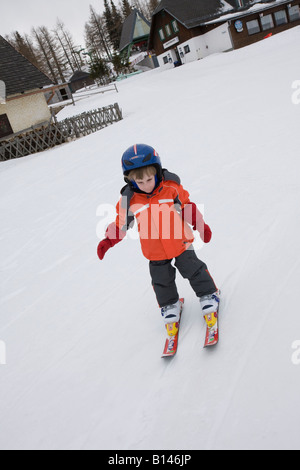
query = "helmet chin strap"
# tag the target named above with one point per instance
(135, 186)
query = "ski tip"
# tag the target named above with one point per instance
(211, 344)
(208, 346)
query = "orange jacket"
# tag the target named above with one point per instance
(163, 232)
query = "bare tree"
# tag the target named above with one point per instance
(142, 6)
(72, 58)
(152, 5)
(96, 35)
(44, 54)
(53, 52)
(24, 45)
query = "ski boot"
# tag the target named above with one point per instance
(171, 314)
(210, 307)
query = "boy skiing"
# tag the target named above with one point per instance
(157, 200)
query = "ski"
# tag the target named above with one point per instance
(212, 330)
(171, 344)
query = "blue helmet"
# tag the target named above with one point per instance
(138, 156)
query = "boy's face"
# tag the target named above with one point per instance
(147, 184)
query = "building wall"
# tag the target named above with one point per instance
(58, 95)
(163, 19)
(243, 38)
(214, 41)
(195, 48)
(25, 112)
(187, 45)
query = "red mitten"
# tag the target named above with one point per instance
(207, 234)
(103, 247)
(113, 236)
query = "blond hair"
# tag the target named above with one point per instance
(140, 173)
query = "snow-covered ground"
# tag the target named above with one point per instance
(83, 338)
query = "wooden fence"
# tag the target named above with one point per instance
(58, 132)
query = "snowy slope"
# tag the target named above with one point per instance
(79, 374)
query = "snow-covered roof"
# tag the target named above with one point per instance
(192, 13)
(258, 7)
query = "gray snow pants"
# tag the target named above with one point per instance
(163, 276)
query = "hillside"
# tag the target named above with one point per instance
(83, 337)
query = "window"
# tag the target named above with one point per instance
(168, 30)
(187, 49)
(166, 59)
(253, 27)
(280, 17)
(175, 26)
(64, 94)
(5, 127)
(294, 13)
(161, 34)
(267, 22)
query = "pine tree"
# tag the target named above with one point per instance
(126, 9)
(99, 70)
(117, 23)
(108, 18)
(114, 23)
(121, 64)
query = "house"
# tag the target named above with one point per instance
(134, 41)
(184, 31)
(80, 79)
(135, 34)
(24, 104)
